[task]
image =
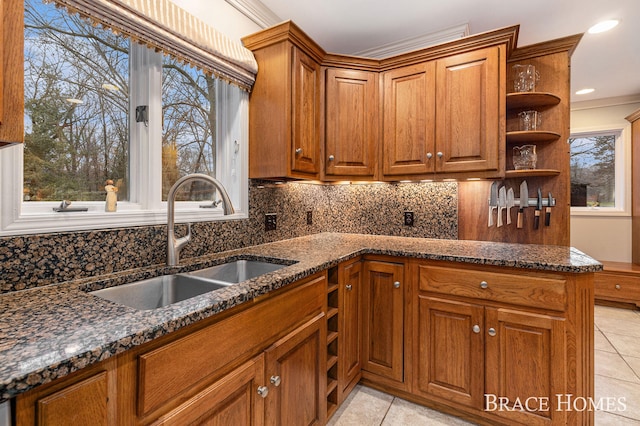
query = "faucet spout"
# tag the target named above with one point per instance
(174, 245)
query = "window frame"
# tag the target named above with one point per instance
(145, 206)
(622, 171)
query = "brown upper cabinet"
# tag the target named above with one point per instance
(284, 110)
(436, 110)
(11, 73)
(470, 111)
(351, 127)
(445, 116)
(409, 120)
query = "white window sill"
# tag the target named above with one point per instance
(599, 211)
(97, 218)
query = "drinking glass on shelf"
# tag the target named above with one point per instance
(526, 78)
(530, 120)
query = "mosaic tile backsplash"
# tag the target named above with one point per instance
(38, 260)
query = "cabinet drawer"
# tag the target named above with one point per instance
(171, 370)
(515, 289)
(618, 287)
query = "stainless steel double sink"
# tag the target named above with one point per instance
(165, 290)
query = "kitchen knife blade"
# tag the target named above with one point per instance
(536, 219)
(510, 203)
(502, 203)
(547, 216)
(493, 201)
(524, 202)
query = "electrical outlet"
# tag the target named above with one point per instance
(309, 217)
(408, 218)
(270, 222)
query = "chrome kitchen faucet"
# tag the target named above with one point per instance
(174, 245)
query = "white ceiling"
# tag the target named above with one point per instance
(608, 62)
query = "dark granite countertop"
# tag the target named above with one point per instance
(49, 332)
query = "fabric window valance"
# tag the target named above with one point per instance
(162, 25)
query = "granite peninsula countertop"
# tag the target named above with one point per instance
(49, 332)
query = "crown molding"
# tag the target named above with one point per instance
(418, 42)
(256, 11)
(605, 102)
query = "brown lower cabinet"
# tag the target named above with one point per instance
(495, 345)
(491, 340)
(258, 364)
(383, 309)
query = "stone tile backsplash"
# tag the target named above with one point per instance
(374, 208)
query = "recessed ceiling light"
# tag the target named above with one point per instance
(74, 101)
(584, 91)
(603, 26)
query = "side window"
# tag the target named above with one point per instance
(595, 161)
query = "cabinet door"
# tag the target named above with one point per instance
(11, 72)
(349, 338)
(236, 399)
(296, 372)
(305, 120)
(470, 111)
(451, 348)
(383, 319)
(409, 120)
(525, 361)
(351, 122)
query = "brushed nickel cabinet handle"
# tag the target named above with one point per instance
(396, 284)
(263, 391)
(275, 380)
(492, 332)
(476, 329)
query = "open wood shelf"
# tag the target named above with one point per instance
(530, 173)
(532, 136)
(531, 100)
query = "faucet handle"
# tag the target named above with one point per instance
(182, 241)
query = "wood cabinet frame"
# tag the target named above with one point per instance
(11, 72)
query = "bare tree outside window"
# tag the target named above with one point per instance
(76, 112)
(593, 170)
(76, 107)
(189, 123)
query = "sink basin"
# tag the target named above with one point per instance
(236, 271)
(159, 291)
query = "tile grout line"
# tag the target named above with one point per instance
(387, 412)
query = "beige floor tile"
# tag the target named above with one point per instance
(601, 343)
(626, 396)
(363, 407)
(607, 419)
(627, 327)
(634, 363)
(601, 312)
(624, 344)
(612, 365)
(405, 413)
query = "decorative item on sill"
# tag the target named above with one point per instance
(111, 202)
(526, 78)
(530, 120)
(525, 157)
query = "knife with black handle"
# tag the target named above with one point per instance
(547, 214)
(536, 219)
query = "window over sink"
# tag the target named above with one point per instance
(99, 107)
